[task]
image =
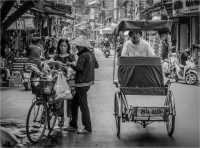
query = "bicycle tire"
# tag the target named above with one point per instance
(44, 119)
(50, 111)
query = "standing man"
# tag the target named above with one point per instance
(137, 46)
(85, 76)
(165, 49)
(34, 53)
(119, 49)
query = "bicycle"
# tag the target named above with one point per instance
(44, 111)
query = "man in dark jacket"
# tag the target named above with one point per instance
(85, 76)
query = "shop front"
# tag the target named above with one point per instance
(19, 32)
(186, 13)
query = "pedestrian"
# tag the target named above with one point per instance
(119, 49)
(34, 53)
(51, 50)
(84, 78)
(41, 46)
(136, 46)
(165, 49)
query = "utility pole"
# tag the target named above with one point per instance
(73, 34)
(102, 15)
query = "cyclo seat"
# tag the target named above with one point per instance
(141, 76)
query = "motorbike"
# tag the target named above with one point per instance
(26, 75)
(167, 64)
(106, 52)
(190, 76)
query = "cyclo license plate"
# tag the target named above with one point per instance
(150, 112)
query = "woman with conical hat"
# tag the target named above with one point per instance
(85, 76)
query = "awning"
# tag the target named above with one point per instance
(37, 10)
(13, 9)
(49, 10)
(153, 9)
(97, 29)
(59, 7)
(158, 7)
(108, 30)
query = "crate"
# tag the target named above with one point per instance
(39, 87)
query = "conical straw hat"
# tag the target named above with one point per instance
(81, 41)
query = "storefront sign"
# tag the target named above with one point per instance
(192, 6)
(22, 24)
(178, 7)
(29, 23)
(18, 64)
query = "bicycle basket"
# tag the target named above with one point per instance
(42, 87)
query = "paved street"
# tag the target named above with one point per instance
(15, 103)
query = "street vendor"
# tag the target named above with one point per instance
(64, 55)
(84, 78)
(137, 46)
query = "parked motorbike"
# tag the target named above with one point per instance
(167, 64)
(26, 75)
(190, 76)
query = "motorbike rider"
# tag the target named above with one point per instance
(106, 46)
(184, 56)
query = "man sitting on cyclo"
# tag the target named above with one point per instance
(136, 46)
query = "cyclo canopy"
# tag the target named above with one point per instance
(159, 25)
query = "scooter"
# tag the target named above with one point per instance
(106, 52)
(190, 76)
(167, 64)
(26, 75)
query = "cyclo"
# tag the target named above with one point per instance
(142, 76)
(43, 112)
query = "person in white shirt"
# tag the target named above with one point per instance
(136, 46)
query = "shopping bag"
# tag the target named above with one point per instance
(61, 89)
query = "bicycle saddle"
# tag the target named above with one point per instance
(181, 66)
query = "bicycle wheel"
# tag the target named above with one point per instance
(52, 117)
(171, 118)
(117, 111)
(36, 121)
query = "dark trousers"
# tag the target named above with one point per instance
(80, 99)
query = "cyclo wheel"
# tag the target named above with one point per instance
(52, 117)
(171, 117)
(117, 109)
(36, 121)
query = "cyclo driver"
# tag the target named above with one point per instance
(137, 46)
